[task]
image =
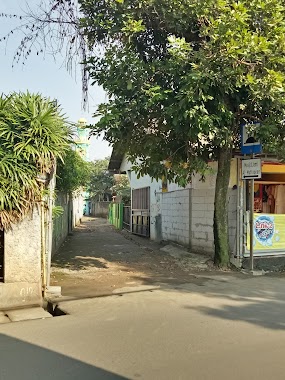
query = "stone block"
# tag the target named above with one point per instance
(199, 207)
(198, 215)
(23, 250)
(197, 222)
(209, 215)
(206, 228)
(210, 193)
(27, 314)
(211, 207)
(200, 235)
(20, 294)
(198, 200)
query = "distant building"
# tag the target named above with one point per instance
(82, 145)
(81, 140)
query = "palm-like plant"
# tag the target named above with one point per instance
(33, 133)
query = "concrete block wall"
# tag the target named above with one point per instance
(71, 217)
(100, 209)
(232, 215)
(61, 222)
(175, 210)
(23, 250)
(202, 214)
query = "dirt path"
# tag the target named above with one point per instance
(98, 260)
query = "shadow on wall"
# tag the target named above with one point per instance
(25, 361)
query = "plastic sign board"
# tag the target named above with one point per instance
(251, 169)
(269, 234)
(248, 143)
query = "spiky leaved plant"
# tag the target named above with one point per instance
(33, 134)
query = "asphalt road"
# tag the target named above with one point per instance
(224, 328)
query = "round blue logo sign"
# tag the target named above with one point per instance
(264, 229)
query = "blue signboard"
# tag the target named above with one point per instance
(249, 145)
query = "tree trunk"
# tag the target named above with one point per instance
(221, 234)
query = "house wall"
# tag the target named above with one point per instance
(202, 210)
(201, 219)
(165, 208)
(175, 213)
(185, 215)
(23, 250)
(155, 189)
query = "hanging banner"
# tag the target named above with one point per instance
(269, 232)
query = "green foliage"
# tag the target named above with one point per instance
(103, 185)
(122, 188)
(101, 181)
(57, 211)
(182, 76)
(33, 129)
(72, 173)
(33, 134)
(182, 79)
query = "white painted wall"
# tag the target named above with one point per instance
(185, 215)
(22, 261)
(155, 189)
(78, 205)
(159, 226)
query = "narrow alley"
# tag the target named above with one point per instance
(99, 260)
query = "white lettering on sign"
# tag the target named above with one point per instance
(251, 169)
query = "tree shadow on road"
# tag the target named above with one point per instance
(268, 314)
(25, 361)
(79, 262)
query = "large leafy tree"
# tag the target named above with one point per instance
(101, 181)
(182, 76)
(103, 185)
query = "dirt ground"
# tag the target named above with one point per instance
(99, 260)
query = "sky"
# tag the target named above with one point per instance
(46, 76)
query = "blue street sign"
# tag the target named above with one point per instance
(248, 143)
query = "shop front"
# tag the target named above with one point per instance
(269, 212)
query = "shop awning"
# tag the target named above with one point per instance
(272, 168)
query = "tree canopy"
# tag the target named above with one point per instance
(181, 77)
(103, 185)
(101, 181)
